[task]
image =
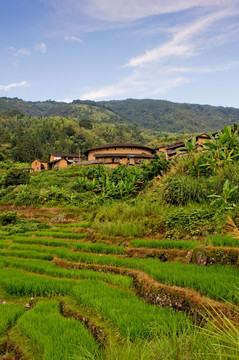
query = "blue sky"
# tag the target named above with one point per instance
(176, 50)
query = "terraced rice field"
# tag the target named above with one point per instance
(63, 296)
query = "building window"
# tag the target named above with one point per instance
(36, 163)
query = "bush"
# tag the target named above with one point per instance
(189, 219)
(179, 189)
(9, 218)
(16, 177)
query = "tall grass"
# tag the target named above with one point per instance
(165, 244)
(222, 240)
(130, 314)
(119, 228)
(49, 268)
(58, 338)
(9, 313)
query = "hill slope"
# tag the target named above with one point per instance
(160, 115)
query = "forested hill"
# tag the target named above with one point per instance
(173, 117)
(157, 115)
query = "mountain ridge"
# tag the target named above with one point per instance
(159, 115)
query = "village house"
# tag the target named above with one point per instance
(39, 165)
(173, 149)
(61, 161)
(58, 161)
(113, 155)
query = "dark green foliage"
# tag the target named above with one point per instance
(157, 166)
(189, 218)
(9, 217)
(16, 177)
(11, 223)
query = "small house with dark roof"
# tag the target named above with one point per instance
(113, 155)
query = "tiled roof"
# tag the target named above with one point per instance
(107, 146)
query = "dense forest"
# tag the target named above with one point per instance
(23, 139)
(158, 115)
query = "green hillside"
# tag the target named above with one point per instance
(159, 115)
(173, 117)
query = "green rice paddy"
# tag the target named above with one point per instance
(110, 300)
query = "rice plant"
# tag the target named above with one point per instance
(58, 338)
(16, 282)
(49, 268)
(79, 246)
(216, 281)
(222, 240)
(165, 244)
(130, 314)
(9, 313)
(74, 236)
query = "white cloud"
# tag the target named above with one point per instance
(20, 52)
(14, 85)
(41, 47)
(129, 10)
(153, 81)
(73, 39)
(183, 43)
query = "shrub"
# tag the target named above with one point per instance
(189, 218)
(9, 217)
(17, 177)
(179, 189)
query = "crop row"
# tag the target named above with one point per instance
(58, 338)
(49, 268)
(9, 313)
(80, 246)
(43, 233)
(216, 281)
(131, 315)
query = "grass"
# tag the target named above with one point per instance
(222, 240)
(58, 338)
(130, 314)
(165, 244)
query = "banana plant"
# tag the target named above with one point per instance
(225, 201)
